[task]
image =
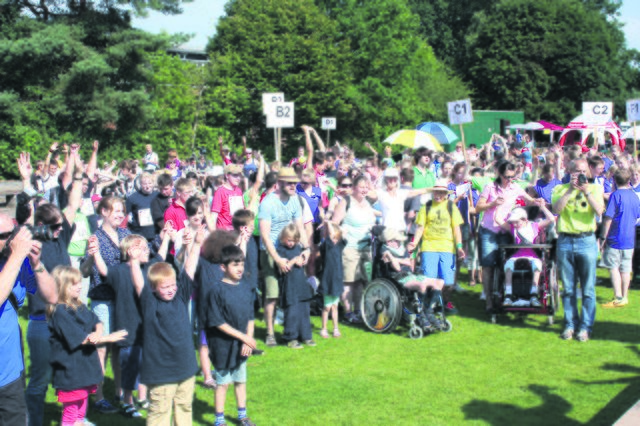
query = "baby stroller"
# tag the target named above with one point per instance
(386, 303)
(548, 290)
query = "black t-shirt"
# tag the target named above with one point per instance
(230, 304)
(127, 306)
(158, 206)
(294, 287)
(251, 264)
(139, 207)
(74, 365)
(331, 283)
(53, 253)
(168, 354)
(207, 275)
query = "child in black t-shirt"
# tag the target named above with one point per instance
(331, 285)
(295, 291)
(169, 364)
(229, 327)
(75, 331)
(134, 248)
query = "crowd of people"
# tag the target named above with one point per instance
(131, 260)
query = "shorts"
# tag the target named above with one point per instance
(536, 264)
(271, 289)
(489, 242)
(613, 258)
(330, 300)
(130, 360)
(437, 264)
(104, 311)
(353, 264)
(235, 375)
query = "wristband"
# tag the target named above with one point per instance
(459, 245)
(40, 269)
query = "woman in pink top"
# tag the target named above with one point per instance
(497, 200)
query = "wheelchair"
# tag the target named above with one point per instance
(548, 290)
(386, 303)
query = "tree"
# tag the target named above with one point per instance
(546, 57)
(265, 46)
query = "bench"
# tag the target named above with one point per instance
(9, 189)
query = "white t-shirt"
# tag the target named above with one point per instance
(392, 209)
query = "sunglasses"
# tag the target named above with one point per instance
(235, 175)
(346, 185)
(5, 235)
(55, 226)
(290, 183)
(509, 177)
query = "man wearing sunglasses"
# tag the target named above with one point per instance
(20, 273)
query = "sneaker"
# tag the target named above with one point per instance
(424, 322)
(450, 309)
(357, 317)
(567, 334)
(86, 422)
(483, 296)
(103, 406)
(507, 300)
(336, 333)
(130, 411)
(294, 344)
(458, 289)
(144, 404)
(246, 422)
(257, 352)
(535, 302)
(324, 333)
(616, 303)
(434, 321)
(310, 342)
(521, 303)
(583, 336)
(348, 317)
(270, 340)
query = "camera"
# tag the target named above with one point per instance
(40, 233)
(582, 179)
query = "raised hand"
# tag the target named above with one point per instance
(96, 145)
(24, 165)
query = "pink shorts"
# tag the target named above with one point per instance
(75, 395)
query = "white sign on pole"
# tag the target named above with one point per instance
(270, 98)
(460, 112)
(633, 110)
(281, 115)
(597, 112)
(328, 123)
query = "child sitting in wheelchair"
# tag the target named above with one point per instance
(400, 267)
(524, 232)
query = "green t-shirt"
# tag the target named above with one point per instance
(423, 180)
(578, 215)
(479, 182)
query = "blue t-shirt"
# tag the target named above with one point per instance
(314, 200)
(607, 163)
(11, 366)
(544, 189)
(624, 211)
(279, 214)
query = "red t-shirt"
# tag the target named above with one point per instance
(176, 214)
(226, 202)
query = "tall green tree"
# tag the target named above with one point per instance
(546, 57)
(276, 45)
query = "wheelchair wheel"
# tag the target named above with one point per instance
(447, 326)
(380, 306)
(415, 333)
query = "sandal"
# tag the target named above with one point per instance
(336, 333)
(324, 333)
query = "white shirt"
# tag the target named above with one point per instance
(392, 209)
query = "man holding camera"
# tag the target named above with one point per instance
(577, 204)
(20, 272)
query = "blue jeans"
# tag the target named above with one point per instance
(40, 370)
(577, 263)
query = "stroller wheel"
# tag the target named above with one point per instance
(447, 326)
(415, 333)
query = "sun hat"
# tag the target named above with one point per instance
(441, 185)
(287, 174)
(232, 169)
(248, 150)
(517, 214)
(391, 172)
(390, 234)
(225, 148)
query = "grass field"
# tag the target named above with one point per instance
(516, 372)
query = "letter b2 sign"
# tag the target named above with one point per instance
(281, 115)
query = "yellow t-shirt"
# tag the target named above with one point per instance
(577, 216)
(438, 232)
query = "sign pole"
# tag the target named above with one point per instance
(635, 143)
(279, 153)
(275, 142)
(328, 137)
(464, 144)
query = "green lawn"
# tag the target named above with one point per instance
(516, 372)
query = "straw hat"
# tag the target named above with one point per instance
(441, 185)
(287, 174)
(232, 169)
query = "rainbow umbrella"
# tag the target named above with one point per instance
(414, 139)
